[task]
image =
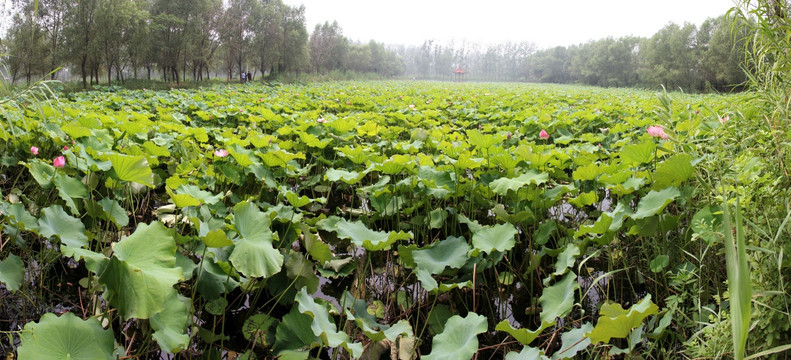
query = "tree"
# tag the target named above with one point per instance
(294, 40)
(27, 47)
(237, 34)
(328, 47)
(80, 36)
(668, 58)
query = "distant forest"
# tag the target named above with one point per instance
(182, 40)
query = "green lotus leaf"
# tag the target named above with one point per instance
(75, 131)
(638, 153)
(600, 227)
(204, 197)
(183, 200)
(144, 260)
(260, 329)
(474, 225)
(170, 325)
(451, 252)
(114, 212)
(459, 340)
(557, 300)
(132, 168)
(371, 240)
(615, 322)
(467, 162)
(357, 310)
(587, 172)
(242, 156)
(527, 353)
(12, 272)
(313, 141)
(654, 202)
(19, 217)
(673, 171)
(213, 280)
(585, 199)
(498, 237)
(628, 186)
(56, 222)
(216, 306)
(566, 259)
(66, 337)
(216, 238)
(69, 189)
(433, 178)
(436, 218)
(524, 336)
(323, 327)
(481, 141)
(573, 341)
(317, 249)
(349, 177)
(544, 231)
(42, 172)
(707, 224)
(274, 158)
(502, 185)
(357, 155)
(253, 254)
(155, 150)
(301, 270)
(93, 261)
(295, 333)
(556, 193)
(618, 215)
(297, 201)
(659, 263)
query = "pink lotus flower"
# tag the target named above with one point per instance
(221, 153)
(657, 131)
(412, 106)
(725, 119)
(59, 162)
(34, 150)
(321, 120)
(508, 136)
(543, 134)
(65, 148)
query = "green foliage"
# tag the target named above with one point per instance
(66, 337)
(382, 224)
(459, 340)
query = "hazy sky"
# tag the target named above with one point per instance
(544, 22)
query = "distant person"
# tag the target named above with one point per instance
(249, 76)
(243, 75)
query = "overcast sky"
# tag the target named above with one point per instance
(545, 22)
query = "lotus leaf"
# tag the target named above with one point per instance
(323, 327)
(66, 337)
(494, 238)
(459, 340)
(55, 222)
(144, 260)
(253, 254)
(12, 272)
(617, 322)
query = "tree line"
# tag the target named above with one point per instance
(176, 40)
(705, 58)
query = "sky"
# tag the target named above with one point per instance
(546, 23)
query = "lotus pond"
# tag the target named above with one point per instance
(358, 220)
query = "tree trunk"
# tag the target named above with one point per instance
(82, 71)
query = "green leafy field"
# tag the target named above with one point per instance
(357, 219)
